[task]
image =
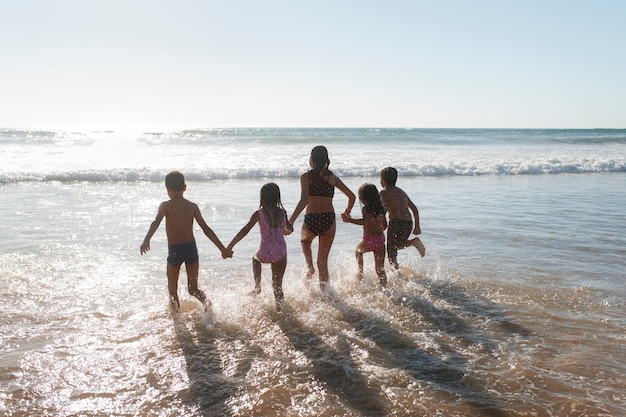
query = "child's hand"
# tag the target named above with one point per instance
(346, 217)
(288, 228)
(145, 247)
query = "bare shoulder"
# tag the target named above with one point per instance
(191, 203)
(182, 205)
(396, 192)
(333, 179)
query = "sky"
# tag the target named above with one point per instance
(129, 64)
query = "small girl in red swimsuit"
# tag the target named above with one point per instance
(273, 224)
(374, 223)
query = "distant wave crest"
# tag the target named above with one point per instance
(553, 166)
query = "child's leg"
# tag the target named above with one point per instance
(392, 254)
(256, 271)
(379, 264)
(360, 249)
(325, 243)
(172, 283)
(278, 271)
(418, 245)
(306, 240)
(397, 235)
(192, 282)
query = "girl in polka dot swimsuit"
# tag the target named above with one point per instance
(317, 187)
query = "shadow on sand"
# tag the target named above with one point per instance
(209, 389)
(335, 369)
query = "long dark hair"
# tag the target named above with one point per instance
(270, 196)
(320, 161)
(368, 194)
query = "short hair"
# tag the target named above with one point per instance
(175, 181)
(390, 175)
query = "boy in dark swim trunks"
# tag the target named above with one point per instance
(397, 203)
(179, 215)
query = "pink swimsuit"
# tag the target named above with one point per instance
(374, 243)
(273, 247)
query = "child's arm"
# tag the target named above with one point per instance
(416, 215)
(226, 253)
(384, 199)
(349, 219)
(145, 246)
(304, 198)
(351, 197)
(244, 230)
(288, 224)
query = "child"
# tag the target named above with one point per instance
(374, 224)
(273, 225)
(179, 215)
(397, 203)
(317, 189)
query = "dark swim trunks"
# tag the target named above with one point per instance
(318, 223)
(183, 252)
(397, 235)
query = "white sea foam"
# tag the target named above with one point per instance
(205, 155)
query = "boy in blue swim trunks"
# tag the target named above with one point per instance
(180, 214)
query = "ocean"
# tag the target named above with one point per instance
(517, 309)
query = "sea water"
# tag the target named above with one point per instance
(517, 309)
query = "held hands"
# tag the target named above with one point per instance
(288, 228)
(227, 253)
(346, 217)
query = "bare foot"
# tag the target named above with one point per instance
(359, 276)
(419, 246)
(309, 275)
(255, 291)
(174, 302)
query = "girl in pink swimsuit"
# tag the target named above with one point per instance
(374, 224)
(273, 225)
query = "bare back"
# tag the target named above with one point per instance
(179, 216)
(396, 202)
(373, 225)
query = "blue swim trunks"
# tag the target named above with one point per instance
(183, 252)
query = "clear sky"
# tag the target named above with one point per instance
(228, 63)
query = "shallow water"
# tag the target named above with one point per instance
(518, 308)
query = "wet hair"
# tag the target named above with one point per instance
(270, 195)
(319, 157)
(175, 181)
(368, 194)
(390, 175)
